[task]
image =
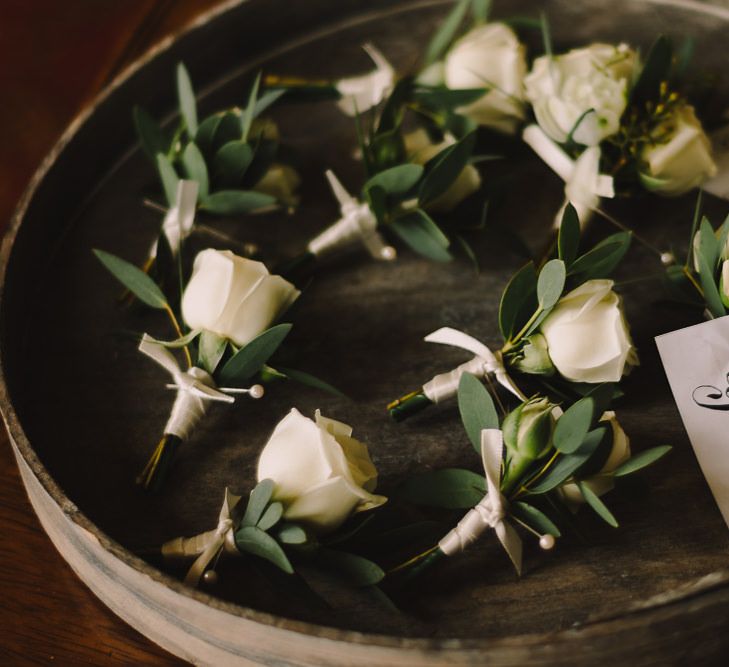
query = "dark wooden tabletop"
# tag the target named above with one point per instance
(54, 57)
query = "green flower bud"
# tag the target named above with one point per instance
(533, 357)
(724, 283)
(528, 429)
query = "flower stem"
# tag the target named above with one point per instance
(408, 405)
(155, 472)
(179, 333)
(412, 568)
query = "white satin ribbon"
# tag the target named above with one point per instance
(490, 511)
(485, 362)
(358, 223)
(361, 93)
(179, 218)
(206, 546)
(195, 388)
(584, 184)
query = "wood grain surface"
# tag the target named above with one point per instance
(54, 57)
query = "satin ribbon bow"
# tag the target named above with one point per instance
(358, 223)
(180, 217)
(584, 184)
(195, 388)
(206, 546)
(490, 511)
(485, 362)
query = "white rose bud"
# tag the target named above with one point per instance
(234, 297)
(489, 56)
(587, 336)
(601, 483)
(562, 89)
(420, 149)
(321, 473)
(679, 157)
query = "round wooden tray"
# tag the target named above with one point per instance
(84, 408)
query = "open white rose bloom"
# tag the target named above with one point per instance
(587, 336)
(601, 483)
(322, 474)
(489, 56)
(420, 149)
(234, 297)
(680, 159)
(582, 92)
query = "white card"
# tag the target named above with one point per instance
(696, 360)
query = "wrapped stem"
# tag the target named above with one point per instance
(409, 405)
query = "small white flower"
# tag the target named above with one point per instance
(587, 336)
(234, 297)
(489, 56)
(680, 157)
(589, 85)
(360, 93)
(601, 483)
(420, 149)
(321, 473)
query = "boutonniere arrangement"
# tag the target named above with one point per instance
(312, 477)
(537, 461)
(232, 157)
(563, 325)
(228, 307)
(610, 125)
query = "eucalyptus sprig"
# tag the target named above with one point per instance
(535, 313)
(552, 461)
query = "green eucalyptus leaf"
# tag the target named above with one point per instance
(310, 381)
(206, 131)
(259, 499)
(169, 178)
(418, 230)
(186, 100)
(567, 464)
(446, 33)
(252, 540)
(519, 301)
(150, 134)
(228, 129)
(359, 571)
(249, 359)
(232, 160)
(134, 279)
(657, 68)
(593, 500)
(450, 488)
(477, 409)
(534, 518)
(249, 111)
(568, 241)
(573, 426)
(271, 516)
(266, 99)
(642, 460)
(711, 291)
(236, 202)
(195, 168)
(443, 169)
(709, 247)
(551, 283)
(291, 533)
(264, 155)
(211, 349)
(377, 201)
(398, 180)
(601, 260)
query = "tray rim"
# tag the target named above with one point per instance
(673, 602)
